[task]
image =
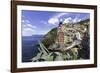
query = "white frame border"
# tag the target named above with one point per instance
(56, 63)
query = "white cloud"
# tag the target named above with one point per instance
(27, 28)
(44, 22)
(31, 26)
(60, 15)
(28, 32)
(68, 20)
(55, 19)
(25, 21)
(79, 20)
(43, 32)
(76, 19)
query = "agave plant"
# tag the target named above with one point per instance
(45, 55)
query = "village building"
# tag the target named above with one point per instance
(67, 33)
(61, 34)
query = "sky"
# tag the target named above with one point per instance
(41, 22)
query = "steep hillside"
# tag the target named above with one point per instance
(50, 37)
(75, 50)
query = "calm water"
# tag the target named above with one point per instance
(29, 49)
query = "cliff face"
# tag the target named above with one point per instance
(76, 46)
(51, 37)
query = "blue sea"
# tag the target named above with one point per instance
(29, 49)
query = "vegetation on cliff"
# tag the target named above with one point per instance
(75, 52)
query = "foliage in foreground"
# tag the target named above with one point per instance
(77, 49)
(45, 55)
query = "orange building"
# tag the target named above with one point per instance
(61, 34)
(61, 38)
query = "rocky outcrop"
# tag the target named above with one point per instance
(75, 46)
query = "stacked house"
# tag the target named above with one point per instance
(67, 33)
(61, 34)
